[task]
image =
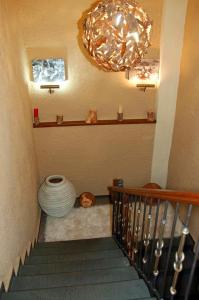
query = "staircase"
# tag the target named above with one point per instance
(93, 269)
(97, 269)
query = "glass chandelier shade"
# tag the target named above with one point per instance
(117, 34)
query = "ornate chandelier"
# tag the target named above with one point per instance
(117, 34)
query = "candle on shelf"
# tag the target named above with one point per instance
(36, 116)
(36, 112)
(59, 119)
(120, 110)
(120, 113)
(151, 116)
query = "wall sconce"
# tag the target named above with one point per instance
(50, 87)
(144, 86)
(51, 70)
(145, 74)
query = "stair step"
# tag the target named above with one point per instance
(73, 257)
(106, 263)
(73, 279)
(134, 289)
(75, 248)
(83, 244)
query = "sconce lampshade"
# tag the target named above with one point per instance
(117, 34)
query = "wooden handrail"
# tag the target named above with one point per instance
(170, 195)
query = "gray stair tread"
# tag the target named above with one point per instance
(73, 279)
(81, 265)
(143, 299)
(73, 257)
(77, 248)
(98, 242)
(135, 289)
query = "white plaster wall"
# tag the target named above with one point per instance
(174, 14)
(184, 159)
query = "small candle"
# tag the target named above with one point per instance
(120, 110)
(59, 119)
(36, 116)
(36, 112)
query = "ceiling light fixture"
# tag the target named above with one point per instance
(117, 34)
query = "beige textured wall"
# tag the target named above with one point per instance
(90, 157)
(18, 177)
(184, 159)
(173, 24)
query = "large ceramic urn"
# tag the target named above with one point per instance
(57, 196)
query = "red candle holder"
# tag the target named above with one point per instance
(36, 116)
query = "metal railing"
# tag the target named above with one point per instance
(149, 227)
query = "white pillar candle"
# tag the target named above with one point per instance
(120, 110)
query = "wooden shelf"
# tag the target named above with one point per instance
(99, 122)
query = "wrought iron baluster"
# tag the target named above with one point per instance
(119, 219)
(127, 220)
(153, 240)
(124, 218)
(129, 229)
(192, 271)
(180, 256)
(116, 213)
(133, 216)
(160, 242)
(147, 234)
(114, 221)
(142, 231)
(175, 218)
(137, 229)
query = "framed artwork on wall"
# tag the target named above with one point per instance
(48, 70)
